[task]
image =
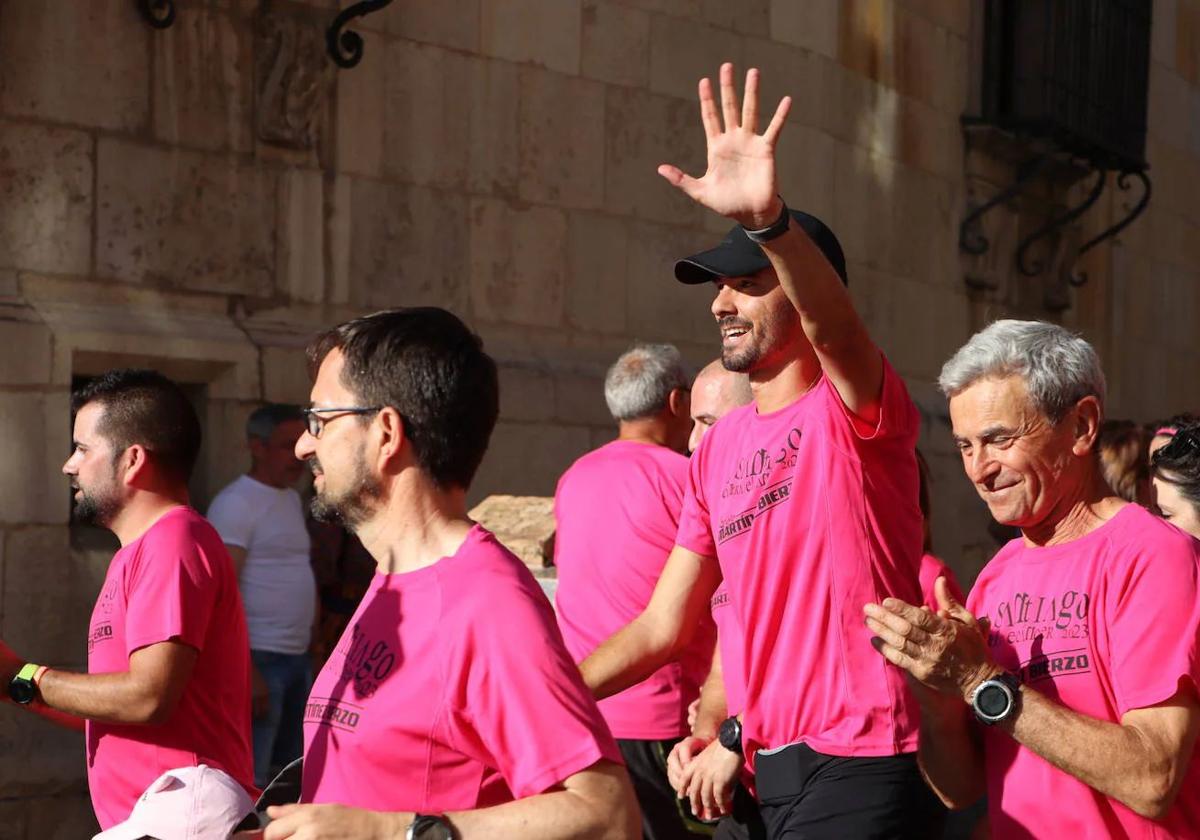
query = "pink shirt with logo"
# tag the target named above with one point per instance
(1103, 624)
(175, 582)
(617, 512)
(450, 690)
(812, 515)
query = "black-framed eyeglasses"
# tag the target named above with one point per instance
(316, 422)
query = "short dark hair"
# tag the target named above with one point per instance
(1178, 462)
(425, 363)
(264, 420)
(144, 407)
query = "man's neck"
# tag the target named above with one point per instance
(417, 527)
(141, 512)
(780, 386)
(1076, 518)
(647, 430)
(263, 477)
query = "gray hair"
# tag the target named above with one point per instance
(1059, 367)
(640, 383)
(266, 419)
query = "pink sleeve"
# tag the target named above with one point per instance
(522, 701)
(695, 527)
(898, 416)
(1154, 606)
(171, 592)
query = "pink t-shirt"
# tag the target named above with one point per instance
(931, 569)
(450, 690)
(617, 512)
(811, 516)
(1102, 624)
(729, 637)
(177, 582)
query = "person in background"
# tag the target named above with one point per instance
(260, 518)
(1162, 431)
(617, 511)
(715, 393)
(1176, 478)
(168, 682)
(1125, 460)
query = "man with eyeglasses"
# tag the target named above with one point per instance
(1067, 686)
(450, 707)
(260, 518)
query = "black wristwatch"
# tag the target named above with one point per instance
(427, 827)
(730, 735)
(997, 699)
(22, 688)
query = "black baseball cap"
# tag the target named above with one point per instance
(738, 256)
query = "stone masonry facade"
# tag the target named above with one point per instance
(203, 198)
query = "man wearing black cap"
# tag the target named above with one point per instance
(805, 502)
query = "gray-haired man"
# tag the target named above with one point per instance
(618, 510)
(1067, 686)
(260, 518)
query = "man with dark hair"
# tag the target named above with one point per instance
(260, 516)
(617, 511)
(168, 661)
(450, 707)
(804, 503)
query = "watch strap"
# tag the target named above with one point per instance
(27, 672)
(774, 230)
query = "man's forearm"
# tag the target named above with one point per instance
(107, 698)
(949, 755)
(609, 813)
(626, 658)
(1112, 758)
(64, 719)
(815, 290)
(713, 706)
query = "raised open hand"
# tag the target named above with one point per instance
(740, 181)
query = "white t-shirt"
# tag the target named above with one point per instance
(277, 583)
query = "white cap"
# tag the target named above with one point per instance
(190, 803)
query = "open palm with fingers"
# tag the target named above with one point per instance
(740, 180)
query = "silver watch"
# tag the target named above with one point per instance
(428, 827)
(997, 699)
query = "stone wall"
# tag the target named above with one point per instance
(203, 198)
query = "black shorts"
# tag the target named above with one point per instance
(805, 795)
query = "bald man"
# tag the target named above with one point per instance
(715, 392)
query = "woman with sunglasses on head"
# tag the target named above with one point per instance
(1176, 477)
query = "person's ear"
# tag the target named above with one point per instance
(680, 403)
(391, 433)
(1087, 417)
(133, 464)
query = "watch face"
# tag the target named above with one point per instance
(432, 828)
(992, 701)
(21, 691)
(730, 734)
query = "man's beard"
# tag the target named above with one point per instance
(760, 339)
(96, 508)
(352, 506)
(743, 358)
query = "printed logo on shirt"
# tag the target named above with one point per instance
(330, 711)
(719, 599)
(758, 474)
(367, 661)
(1030, 618)
(102, 632)
(1061, 663)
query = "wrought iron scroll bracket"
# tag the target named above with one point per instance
(1056, 223)
(1109, 232)
(974, 242)
(346, 47)
(158, 13)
